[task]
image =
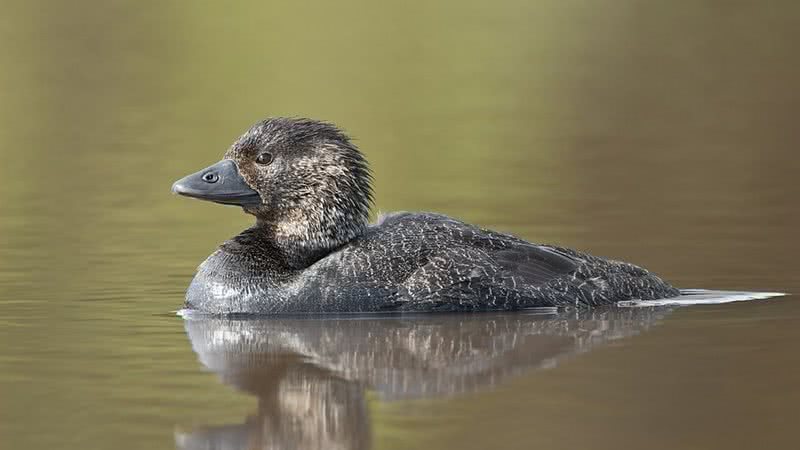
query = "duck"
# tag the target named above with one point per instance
(313, 249)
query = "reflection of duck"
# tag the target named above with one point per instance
(312, 249)
(310, 374)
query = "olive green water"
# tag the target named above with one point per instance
(663, 133)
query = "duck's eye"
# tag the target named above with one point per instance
(264, 158)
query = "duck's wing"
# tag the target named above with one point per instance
(470, 278)
(533, 264)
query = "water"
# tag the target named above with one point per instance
(661, 134)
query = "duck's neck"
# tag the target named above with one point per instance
(303, 239)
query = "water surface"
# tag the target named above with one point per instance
(663, 134)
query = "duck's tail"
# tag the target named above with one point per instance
(703, 297)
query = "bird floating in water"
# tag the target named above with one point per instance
(313, 250)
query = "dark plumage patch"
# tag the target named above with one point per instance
(534, 264)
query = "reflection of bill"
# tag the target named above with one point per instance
(310, 374)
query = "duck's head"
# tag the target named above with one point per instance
(303, 180)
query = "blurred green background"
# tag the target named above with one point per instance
(664, 133)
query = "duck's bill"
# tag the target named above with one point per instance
(220, 183)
